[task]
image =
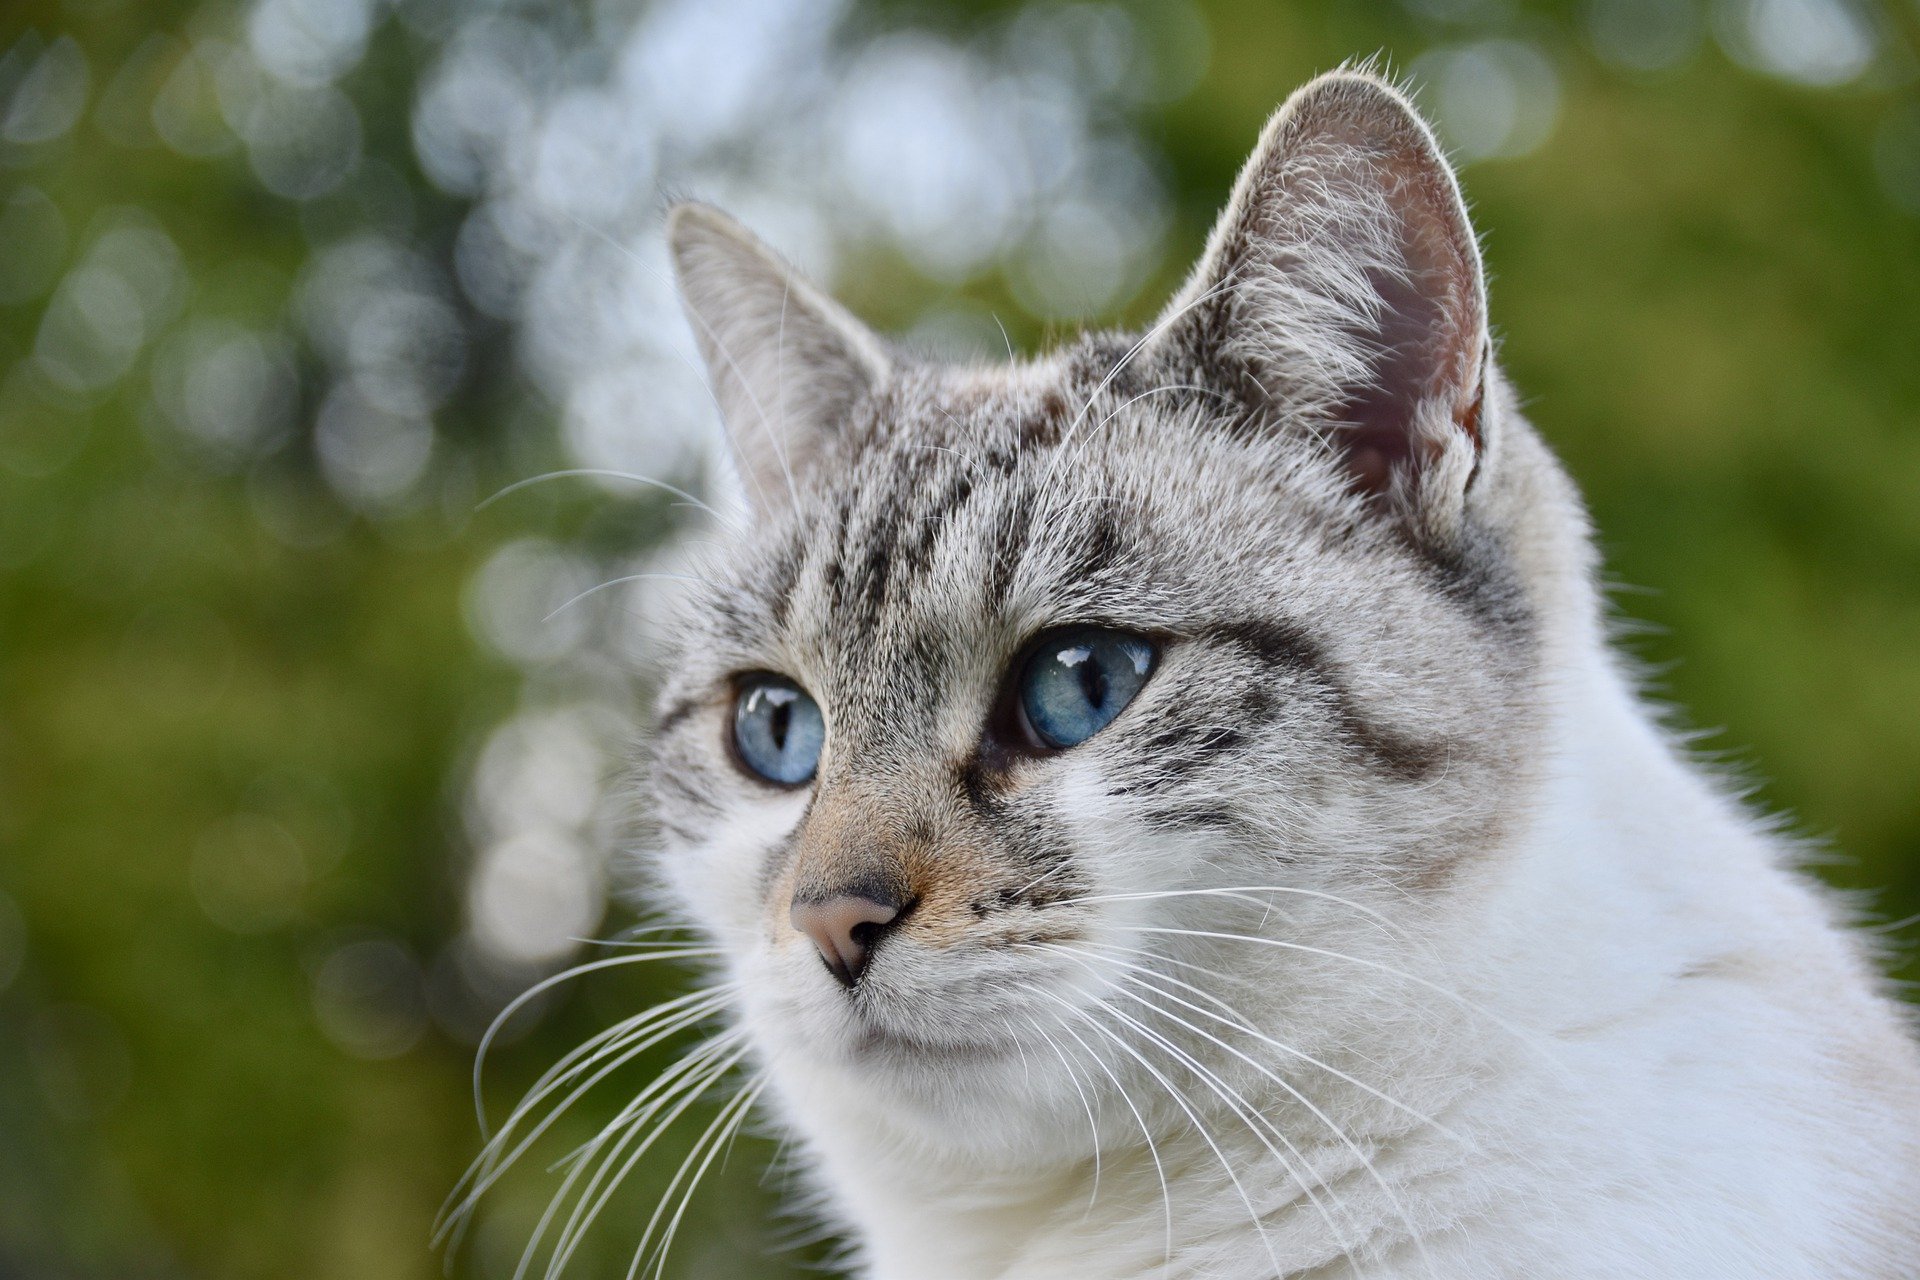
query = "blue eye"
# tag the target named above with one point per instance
(777, 730)
(1075, 684)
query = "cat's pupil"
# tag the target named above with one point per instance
(778, 720)
(1093, 676)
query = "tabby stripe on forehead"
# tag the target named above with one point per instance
(956, 495)
(831, 568)
(1101, 546)
(1281, 643)
(1010, 535)
(876, 566)
(785, 580)
(919, 536)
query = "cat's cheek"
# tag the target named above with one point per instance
(720, 882)
(1115, 851)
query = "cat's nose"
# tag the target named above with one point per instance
(845, 928)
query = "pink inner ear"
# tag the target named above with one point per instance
(1425, 339)
(1371, 464)
(1342, 286)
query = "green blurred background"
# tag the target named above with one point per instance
(299, 781)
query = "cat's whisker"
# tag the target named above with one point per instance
(1237, 1102)
(629, 1042)
(1520, 1034)
(1240, 1022)
(1226, 981)
(1393, 1199)
(659, 1010)
(1146, 1130)
(636, 937)
(1093, 1126)
(637, 931)
(1161, 326)
(623, 580)
(1387, 1188)
(534, 992)
(609, 473)
(623, 1041)
(1181, 1101)
(1245, 893)
(630, 1047)
(1163, 389)
(701, 1055)
(641, 1129)
(965, 457)
(684, 1085)
(722, 1147)
(1026, 1068)
(665, 1079)
(449, 1223)
(1066, 444)
(1005, 337)
(1256, 1123)
(1222, 980)
(710, 1142)
(1041, 879)
(1389, 883)
(689, 1073)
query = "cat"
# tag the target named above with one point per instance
(1169, 807)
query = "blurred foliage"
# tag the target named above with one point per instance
(243, 700)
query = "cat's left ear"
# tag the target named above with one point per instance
(1342, 288)
(786, 362)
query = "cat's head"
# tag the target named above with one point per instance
(1029, 683)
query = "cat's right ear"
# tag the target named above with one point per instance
(1342, 291)
(786, 362)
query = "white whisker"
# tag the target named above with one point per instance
(1393, 1198)
(1520, 1034)
(717, 1136)
(1093, 1126)
(627, 1043)
(597, 588)
(1146, 1131)
(520, 1001)
(1246, 893)
(1244, 1110)
(1005, 337)
(608, 473)
(653, 1122)
(1239, 1021)
(1180, 1100)
(1161, 326)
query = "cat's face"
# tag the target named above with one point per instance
(1025, 685)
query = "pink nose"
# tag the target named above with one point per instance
(845, 928)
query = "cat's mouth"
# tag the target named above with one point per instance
(877, 1032)
(913, 1011)
(873, 1042)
